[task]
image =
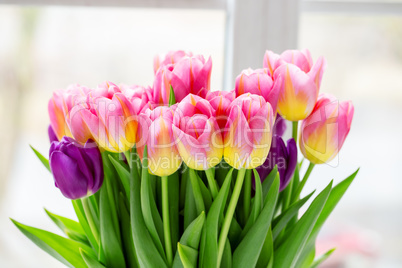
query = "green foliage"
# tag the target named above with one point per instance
(122, 224)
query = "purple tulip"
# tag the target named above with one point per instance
(279, 126)
(52, 134)
(77, 169)
(285, 157)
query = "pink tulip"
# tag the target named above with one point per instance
(197, 133)
(248, 132)
(220, 101)
(170, 58)
(302, 80)
(60, 105)
(300, 58)
(325, 130)
(155, 131)
(108, 117)
(298, 93)
(188, 75)
(260, 83)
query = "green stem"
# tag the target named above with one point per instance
(166, 220)
(247, 194)
(91, 222)
(229, 213)
(297, 193)
(295, 125)
(211, 182)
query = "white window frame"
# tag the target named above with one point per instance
(251, 25)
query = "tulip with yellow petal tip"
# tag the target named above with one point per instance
(261, 83)
(60, 105)
(155, 132)
(197, 133)
(108, 117)
(248, 132)
(325, 130)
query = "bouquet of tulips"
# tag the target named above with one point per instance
(177, 175)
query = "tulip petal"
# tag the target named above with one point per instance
(68, 177)
(298, 95)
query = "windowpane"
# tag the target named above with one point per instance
(47, 48)
(364, 55)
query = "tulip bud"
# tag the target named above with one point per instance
(171, 58)
(77, 170)
(155, 131)
(108, 117)
(197, 133)
(284, 157)
(188, 75)
(260, 83)
(59, 106)
(325, 130)
(248, 132)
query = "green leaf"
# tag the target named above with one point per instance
(71, 228)
(282, 220)
(150, 213)
(188, 256)
(257, 205)
(266, 185)
(172, 99)
(227, 256)
(258, 195)
(43, 159)
(209, 246)
(109, 235)
(128, 243)
(90, 260)
(322, 258)
(333, 199)
(289, 252)
(267, 252)
(79, 211)
(191, 237)
(336, 194)
(248, 251)
(63, 249)
(199, 201)
(124, 175)
(235, 232)
(206, 194)
(147, 253)
(190, 211)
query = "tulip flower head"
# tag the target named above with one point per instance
(77, 170)
(188, 75)
(170, 58)
(325, 130)
(301, 81)
(284, 156)
(260, 83)
(248, 132)
(155, 132)
(197, 133)
(107, 116)
(60, 105)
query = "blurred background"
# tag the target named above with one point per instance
(44, 48)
